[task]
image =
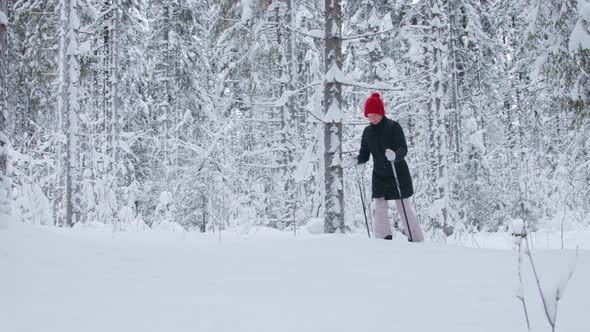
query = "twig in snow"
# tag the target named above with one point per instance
(520, 292)
(551, 312)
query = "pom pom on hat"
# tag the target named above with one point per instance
(374, 105)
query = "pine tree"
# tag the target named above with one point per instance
(201, 112)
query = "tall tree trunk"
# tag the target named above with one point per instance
(292, 69)
(455, 123)
(334, 199)
(438, 115)
(288, 128)
(168, 58)
(69, 105)
(4, 180)
(114, 128)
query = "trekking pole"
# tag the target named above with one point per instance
(401, 198)
(358, 180)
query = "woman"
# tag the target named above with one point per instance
(384, 139)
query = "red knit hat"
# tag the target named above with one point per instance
(374, 105)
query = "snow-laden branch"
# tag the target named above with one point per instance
(371, 34)
(270, 104)
(3, 19)
(189, 146)
(260, 120)
(355, 123)
(375, 86)
(334, 74)
(318, 34)
(244, 102)
(255, 153)
(100, 20)
(284, 98)
(287, 94)
(267, 166)
(580, 37)
(333, 115)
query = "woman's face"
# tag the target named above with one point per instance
(374, 118)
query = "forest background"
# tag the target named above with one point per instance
(215, 114)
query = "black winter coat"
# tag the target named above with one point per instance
(387, 134)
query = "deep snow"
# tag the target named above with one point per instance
(85, 280)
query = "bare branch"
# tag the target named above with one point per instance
(563, 284)
(550, 317)
(551, 314)
(520, 293)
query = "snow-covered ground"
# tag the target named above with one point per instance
(89, 280)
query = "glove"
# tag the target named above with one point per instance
(390, 155)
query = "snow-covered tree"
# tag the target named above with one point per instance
(69, 106)
(5, 185)
(200, 112)
(478, 208)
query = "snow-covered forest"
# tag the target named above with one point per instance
(211, 114)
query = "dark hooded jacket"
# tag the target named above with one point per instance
(387, 134)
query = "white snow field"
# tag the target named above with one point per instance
(55, 280)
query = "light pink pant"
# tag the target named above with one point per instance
(381, 224)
